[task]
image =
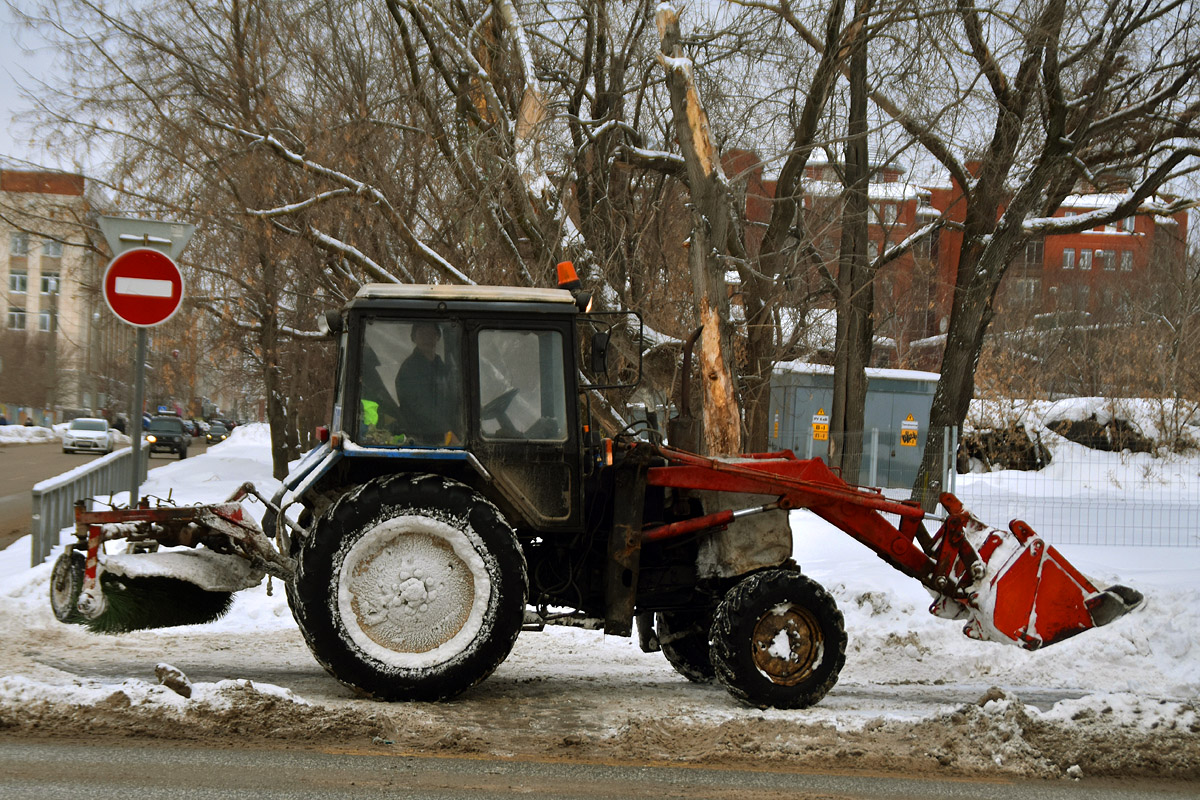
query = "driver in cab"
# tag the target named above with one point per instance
(427, 397)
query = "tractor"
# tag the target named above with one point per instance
(463, 492)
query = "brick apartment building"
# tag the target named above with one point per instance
(55, 345)
(1093, 274)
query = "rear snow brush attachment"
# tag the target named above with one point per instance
(124, 603)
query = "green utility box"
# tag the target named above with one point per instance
(898, 403)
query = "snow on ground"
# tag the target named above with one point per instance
(1139, 675)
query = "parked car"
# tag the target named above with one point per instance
(191, 427)
(88, 433)
(166, 434)
(217, 433)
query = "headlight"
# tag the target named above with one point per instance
(151, 438)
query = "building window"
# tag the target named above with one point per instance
(1126, 261)
(1107, 259)
(1035, 253)
(1085, 259)
(18, 281)
(1068, 261)
(1079, 299)
(46, 320)
(883, 213)
(49, 283)
(1126, 224)
(16, 319)
(921, 248)
(51, 248)
(19, 244)
(1024, 291)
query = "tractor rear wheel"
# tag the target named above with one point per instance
(411, 588)
(778, 640)
(683, 637)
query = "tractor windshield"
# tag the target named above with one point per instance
(410, 379)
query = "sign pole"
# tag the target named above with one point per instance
(135, 416)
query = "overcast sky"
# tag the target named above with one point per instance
(15, 67)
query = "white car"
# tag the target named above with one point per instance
(88, 433)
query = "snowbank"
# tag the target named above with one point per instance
(36, 434)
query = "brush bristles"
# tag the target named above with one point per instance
(134, 604)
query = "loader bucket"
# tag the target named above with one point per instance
(1023, 590)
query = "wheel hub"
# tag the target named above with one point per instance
(787, 644)
(409, 590)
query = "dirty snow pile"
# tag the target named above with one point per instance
(27, 434)
(903, 666)
(36, 434)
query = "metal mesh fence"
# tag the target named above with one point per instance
(1082, 496)
(1093, 497)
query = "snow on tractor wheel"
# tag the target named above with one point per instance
(411, 588)
(778, 640)
(683, 637)
(66, 582)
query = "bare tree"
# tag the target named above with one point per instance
(1059, 94)
(485, 141)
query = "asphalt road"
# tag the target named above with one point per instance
(23, 465)
(149, 771)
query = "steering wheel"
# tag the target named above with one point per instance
(498, 405)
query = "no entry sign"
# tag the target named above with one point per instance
(143, 287)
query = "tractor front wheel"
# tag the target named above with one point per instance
(778, 640)
(411, 588)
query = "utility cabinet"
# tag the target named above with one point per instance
(898, 404)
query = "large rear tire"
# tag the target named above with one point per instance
(683, 637)
(411, 588)
(778, 640)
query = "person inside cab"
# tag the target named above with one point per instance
(426, 391)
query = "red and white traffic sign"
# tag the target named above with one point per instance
(143, 287)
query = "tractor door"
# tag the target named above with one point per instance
(525, 419)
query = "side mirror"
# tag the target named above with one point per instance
(330, 323)
(600, 353)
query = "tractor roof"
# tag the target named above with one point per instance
(490, 294)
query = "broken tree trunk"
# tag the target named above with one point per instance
(711, 221)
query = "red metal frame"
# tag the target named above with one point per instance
(1007, 585)
(808, 483)
(225, 527)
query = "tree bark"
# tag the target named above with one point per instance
(855, 280)
(711, 221)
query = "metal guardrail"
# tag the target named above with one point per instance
(54, 498)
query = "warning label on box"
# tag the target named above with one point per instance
(820, 425)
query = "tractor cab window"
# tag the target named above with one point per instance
(410, 383)
(522, 389)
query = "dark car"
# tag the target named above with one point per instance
(167, 434)
(216, 434)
